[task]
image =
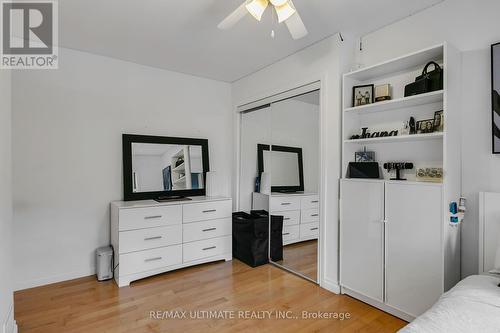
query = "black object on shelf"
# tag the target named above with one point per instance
(364, 170)
(276, 245)
(427, 82)
(398, 167)
(250, 239)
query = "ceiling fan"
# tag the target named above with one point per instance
(285, 11)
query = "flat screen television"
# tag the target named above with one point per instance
(163, 168)
(285, 166)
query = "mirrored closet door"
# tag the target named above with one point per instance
(280, 173)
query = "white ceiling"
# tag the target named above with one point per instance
(182, 35)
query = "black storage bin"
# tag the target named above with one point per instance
(250, 239)
(276, 250)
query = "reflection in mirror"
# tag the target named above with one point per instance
(295, 123)
(285, 165)
(166, 167)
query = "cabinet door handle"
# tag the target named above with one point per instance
(286, 234)
(314, 215)
(152, 238)
(286, 203)
(210, 211)
(314, 229)
(209, 229)
(153, 259)
(209, 248)
(315, 201)
(152, 217)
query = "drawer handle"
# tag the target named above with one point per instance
(210, 211)
(314, 229)
(314, 215)
(315, 201)
(153, 259)
(286, 234)
(286, 219)
(209, 229)
(209, 248)
(286, 203)
(152, 238)
(153, 217)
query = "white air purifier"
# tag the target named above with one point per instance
(104, 263)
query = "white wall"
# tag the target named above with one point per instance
(470, 26)
(320, 61)
(6, 300)
(67, 127)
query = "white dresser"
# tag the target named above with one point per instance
(151, 238)
(300, 214)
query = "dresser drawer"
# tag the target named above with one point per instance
(280, 204)
(206, 248)
(309, 230)
(291, 217)
(143, 239)
(309, 202)
(310, 215)
(207, 229)
(207, 211)
(290, 233)
(142, 261)
(148, 217)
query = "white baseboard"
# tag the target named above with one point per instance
(10, 325)
(332, 286)
(21, 285)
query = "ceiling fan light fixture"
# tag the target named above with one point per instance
(285, 12)
(257, 8)
(278, 3)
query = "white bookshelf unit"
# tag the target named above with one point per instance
(405, 237)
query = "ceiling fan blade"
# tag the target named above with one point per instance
(296, 26)
(234, 17)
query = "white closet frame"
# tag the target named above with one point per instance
(280, 93)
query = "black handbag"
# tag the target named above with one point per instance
(427, 82)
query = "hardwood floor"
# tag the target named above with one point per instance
(85, 305)
(302, 258)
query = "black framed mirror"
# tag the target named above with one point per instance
(285, 165)
(161, 168)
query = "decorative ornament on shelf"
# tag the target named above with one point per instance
(365, 134)
(432, 175)
(398, 166)
(383, 93)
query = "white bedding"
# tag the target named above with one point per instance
(473, 305)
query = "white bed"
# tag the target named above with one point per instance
(473, 305)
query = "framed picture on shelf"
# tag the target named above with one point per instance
(425, 126)
(362, 95)
(495, 96)
(438, 121)
(364, 156)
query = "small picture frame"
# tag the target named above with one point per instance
(438, 121)
(425, 126)
(362, 95)
(364, 156)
